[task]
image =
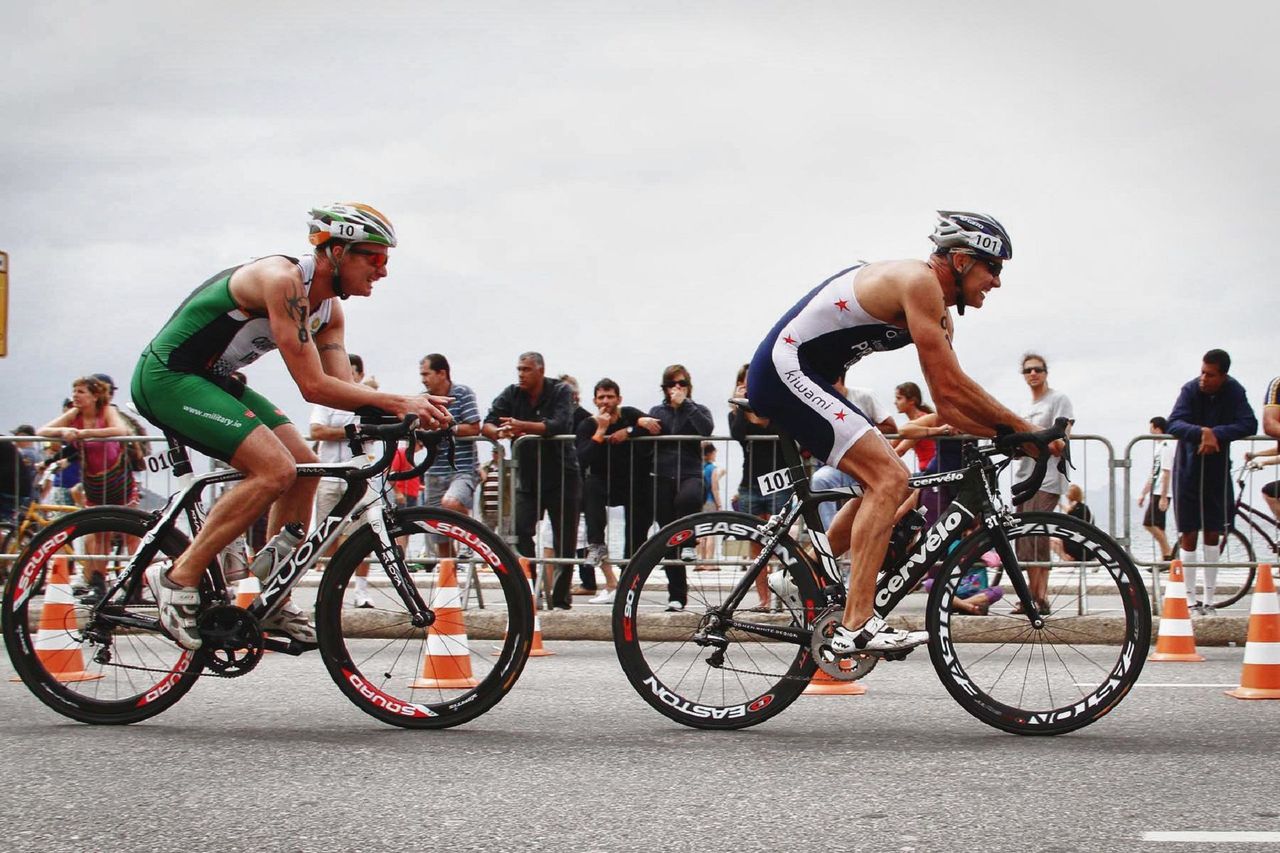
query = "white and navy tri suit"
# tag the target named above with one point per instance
(791, 375)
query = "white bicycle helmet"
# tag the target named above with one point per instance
(973, 233)
(350, 222)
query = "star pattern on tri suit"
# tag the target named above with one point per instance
(789, 339)
(842, 304)
(840, 415)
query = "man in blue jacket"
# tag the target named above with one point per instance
(1211, 412)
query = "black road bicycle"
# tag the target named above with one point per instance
(723, 665)
(125, 669)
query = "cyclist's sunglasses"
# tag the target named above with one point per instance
(995, 267)
(379, 259)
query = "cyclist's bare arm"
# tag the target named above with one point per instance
(961, 402)
(274, 285)
(1271, 421)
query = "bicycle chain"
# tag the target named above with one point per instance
(204, 670)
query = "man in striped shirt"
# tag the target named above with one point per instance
(452, 486)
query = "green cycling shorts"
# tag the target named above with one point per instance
(207, 414)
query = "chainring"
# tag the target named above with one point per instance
(233, 643)
(840, 667)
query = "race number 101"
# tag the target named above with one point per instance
(774, 481)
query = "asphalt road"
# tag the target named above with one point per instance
(573, 760)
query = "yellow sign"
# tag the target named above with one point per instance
(4, 304)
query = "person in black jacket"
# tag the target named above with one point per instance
(547, 478)
(615, 473)
(677, 480)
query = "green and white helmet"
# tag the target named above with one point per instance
(350, 222)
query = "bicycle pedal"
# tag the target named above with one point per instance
(291, 647)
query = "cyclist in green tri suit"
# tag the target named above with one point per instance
(183, 385)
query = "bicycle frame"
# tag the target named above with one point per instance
(1256, 519)
(977, 497)
(344, 516)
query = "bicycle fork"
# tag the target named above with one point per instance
(391, 556)
(1009, 559)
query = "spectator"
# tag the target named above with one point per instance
(328, 431)
(547, 476)
(1271, 427)
(586, 571)
(1157, 488)
(712, 487)
(1047, 405)
(677, 483)
(1073, 505)
(615, 473)
(910, 402)
(104, 472)
(136, 450)
(760, 455)
(1210, 413)
(452, 485)
(15, 481)
(491, 489)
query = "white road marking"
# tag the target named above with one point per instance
(1213, 837)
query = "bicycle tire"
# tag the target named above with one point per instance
(1236, 548)
(378, 659)
(146, 672)
(671, 672)
(972, 672)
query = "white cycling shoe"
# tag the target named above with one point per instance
(875, 636)
(179, 606)
(291, 620)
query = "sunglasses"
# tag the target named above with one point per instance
(379, 258)
(995, 267)
(1027, 370)
(683, 383)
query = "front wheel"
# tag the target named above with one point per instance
(1052, 679)
(86, 668)
(453, 670)
(665, 657)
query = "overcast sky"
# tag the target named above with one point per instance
(626, 185)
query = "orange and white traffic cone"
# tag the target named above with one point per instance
(447, 660)
(247, 589)
(1176, 640)
(1261, 676)
(56, 646)
(536, 650)
(824, 685)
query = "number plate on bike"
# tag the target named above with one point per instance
(774, 481)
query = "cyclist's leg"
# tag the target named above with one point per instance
(269, 472)
(872, 462)
(295, 503)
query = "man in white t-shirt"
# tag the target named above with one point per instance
(1159, 488)
(1047, 405)
(328, 431)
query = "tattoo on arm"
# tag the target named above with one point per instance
(296, 306)
(946, 330)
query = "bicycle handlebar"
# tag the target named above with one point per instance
(1012, 444)
(377, 425)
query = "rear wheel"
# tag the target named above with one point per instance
(1063, 675)
(687, 680)
(86, 668)
(453, 670)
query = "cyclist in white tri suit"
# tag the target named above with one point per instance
(867, 308)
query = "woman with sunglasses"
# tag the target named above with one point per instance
(1046, 406)
(677, 466)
